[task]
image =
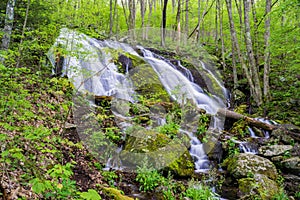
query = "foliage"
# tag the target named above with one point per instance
(60, 187)
(198, 191)
(148, 178)
(90, 195)
(109, 176)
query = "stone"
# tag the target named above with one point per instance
(159, 151)
(292, 165)
(274, 150)
(257, 187)
(291, 184)
(282, 135)
(244, 164)
(116, 194)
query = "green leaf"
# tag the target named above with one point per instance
(90, 195)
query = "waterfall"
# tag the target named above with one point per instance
(91, 69)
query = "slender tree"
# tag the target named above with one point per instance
(235, 46)
(255, 38)
(23, 32)
(8, 26)
(131, 5)
(143, 10)
(257, 95)
(111, 20)
(187, 17)
(267, 51)
(150, 2)
(164, 22)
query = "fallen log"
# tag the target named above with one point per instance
(251, 121)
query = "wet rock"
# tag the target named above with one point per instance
(115, 194)
(274, 150)
(216, 152)
(159, 151)
(244, 164)
(291, 184)
(287, 133)
(292, 165)
(257, 187)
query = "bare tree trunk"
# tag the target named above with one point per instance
(131, 5)
(23, 33)
(220, 7)
(8, 26)
(173, 5)
(149, 16)
(111, 23)
(255, 38)
(257, 95)
(187, 16)
(143, 10)
(239, 9)
(236, 47)
(267, 52)
(216, 24)
(164, 22)
(251, 121)
(116, 17)
(125, 15)
(199, 21)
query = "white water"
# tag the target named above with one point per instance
(91, 70)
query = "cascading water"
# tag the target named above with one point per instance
(92, 70)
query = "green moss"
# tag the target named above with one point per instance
(159, 150)
(115, 194)
(258, 187)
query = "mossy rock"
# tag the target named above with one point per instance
(159, 151)
(147, 83)
(245, 164)
(257, 187)
(115, 194)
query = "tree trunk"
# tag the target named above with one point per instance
(251, 121)
(187, 17)
(173, 5)
(125, 15)
(143, 10)
(111, 21)
(199, 21)
(23, 33)
(149, 16)
(164, 22)
(220, 12)
(267, 52)
(255, 38)
(116, 17)
(216, 24)
(257, 95)
(236, 47)
(131, 5)
(8, 26)
(239, 9)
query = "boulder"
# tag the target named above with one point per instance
(287, 133)
(257, 187)
(242, 165)
(116, 194)
(291, 184)
(158, 151)
(274, 150)
(292, 165)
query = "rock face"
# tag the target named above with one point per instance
(159, 151)
(244, 164)
(274, 150)
(257, 187)
(292, 165)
